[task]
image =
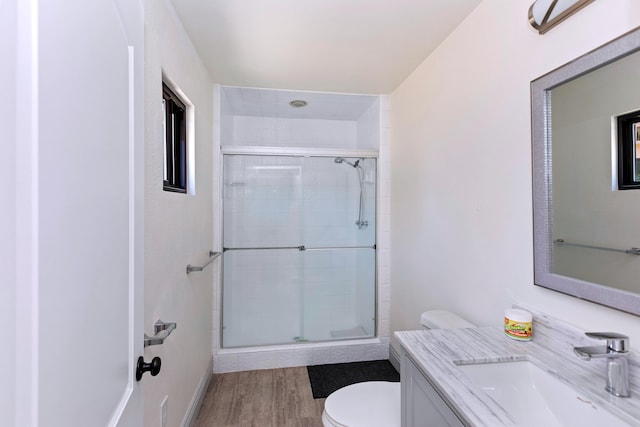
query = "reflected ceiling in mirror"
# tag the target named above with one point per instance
(585, 228)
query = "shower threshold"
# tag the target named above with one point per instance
(300, 354)
(357, 331)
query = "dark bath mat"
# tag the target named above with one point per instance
(325, 379)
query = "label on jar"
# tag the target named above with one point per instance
(518, 330)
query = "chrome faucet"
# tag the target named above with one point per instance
(617, 353)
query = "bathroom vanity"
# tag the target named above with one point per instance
(467, 377)
(421, 401)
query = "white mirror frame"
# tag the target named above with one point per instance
(542, 176)
(546, 14)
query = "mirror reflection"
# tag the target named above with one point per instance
(628, 154)
(589, 208)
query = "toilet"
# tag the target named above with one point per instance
(377, 403)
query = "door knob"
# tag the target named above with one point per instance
(153, 367)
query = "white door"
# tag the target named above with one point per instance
(79, 212)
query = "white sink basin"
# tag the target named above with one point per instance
(534, 397)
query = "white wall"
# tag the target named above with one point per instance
(178, 227)
(8, 215)
(461, 214)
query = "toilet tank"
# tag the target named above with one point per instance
(443, 319)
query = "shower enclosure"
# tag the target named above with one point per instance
(299, 249)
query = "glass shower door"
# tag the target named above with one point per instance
(261, 264)
(299, 239)
(261, 297)
(339, 263)
(339, 294)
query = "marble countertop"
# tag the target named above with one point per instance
(439, 352)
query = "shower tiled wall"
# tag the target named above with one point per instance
(384, 221)
(290, 132)
(369, 127)
(354, 134)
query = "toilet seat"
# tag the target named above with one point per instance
(366, 404)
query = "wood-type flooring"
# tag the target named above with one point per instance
(265, 398)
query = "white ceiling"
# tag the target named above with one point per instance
(352, 46)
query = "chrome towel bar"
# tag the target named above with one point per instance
(161, 330)
(632, 251)
(212, 256)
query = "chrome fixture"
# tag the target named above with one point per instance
(342, 160)
(546, 14)
(361, 222)
(161, 330)
(617, 353)
(298, 103)
(300, 248)
(631, 251)
(212, 256)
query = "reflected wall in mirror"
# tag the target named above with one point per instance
(586, 230)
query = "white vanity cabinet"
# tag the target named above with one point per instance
(421, 405)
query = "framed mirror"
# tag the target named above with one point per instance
(585, 134)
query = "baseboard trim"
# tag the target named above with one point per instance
(198, 397)
(394, 358)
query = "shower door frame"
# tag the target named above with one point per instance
(297, 152)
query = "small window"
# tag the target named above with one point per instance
(175, 141)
